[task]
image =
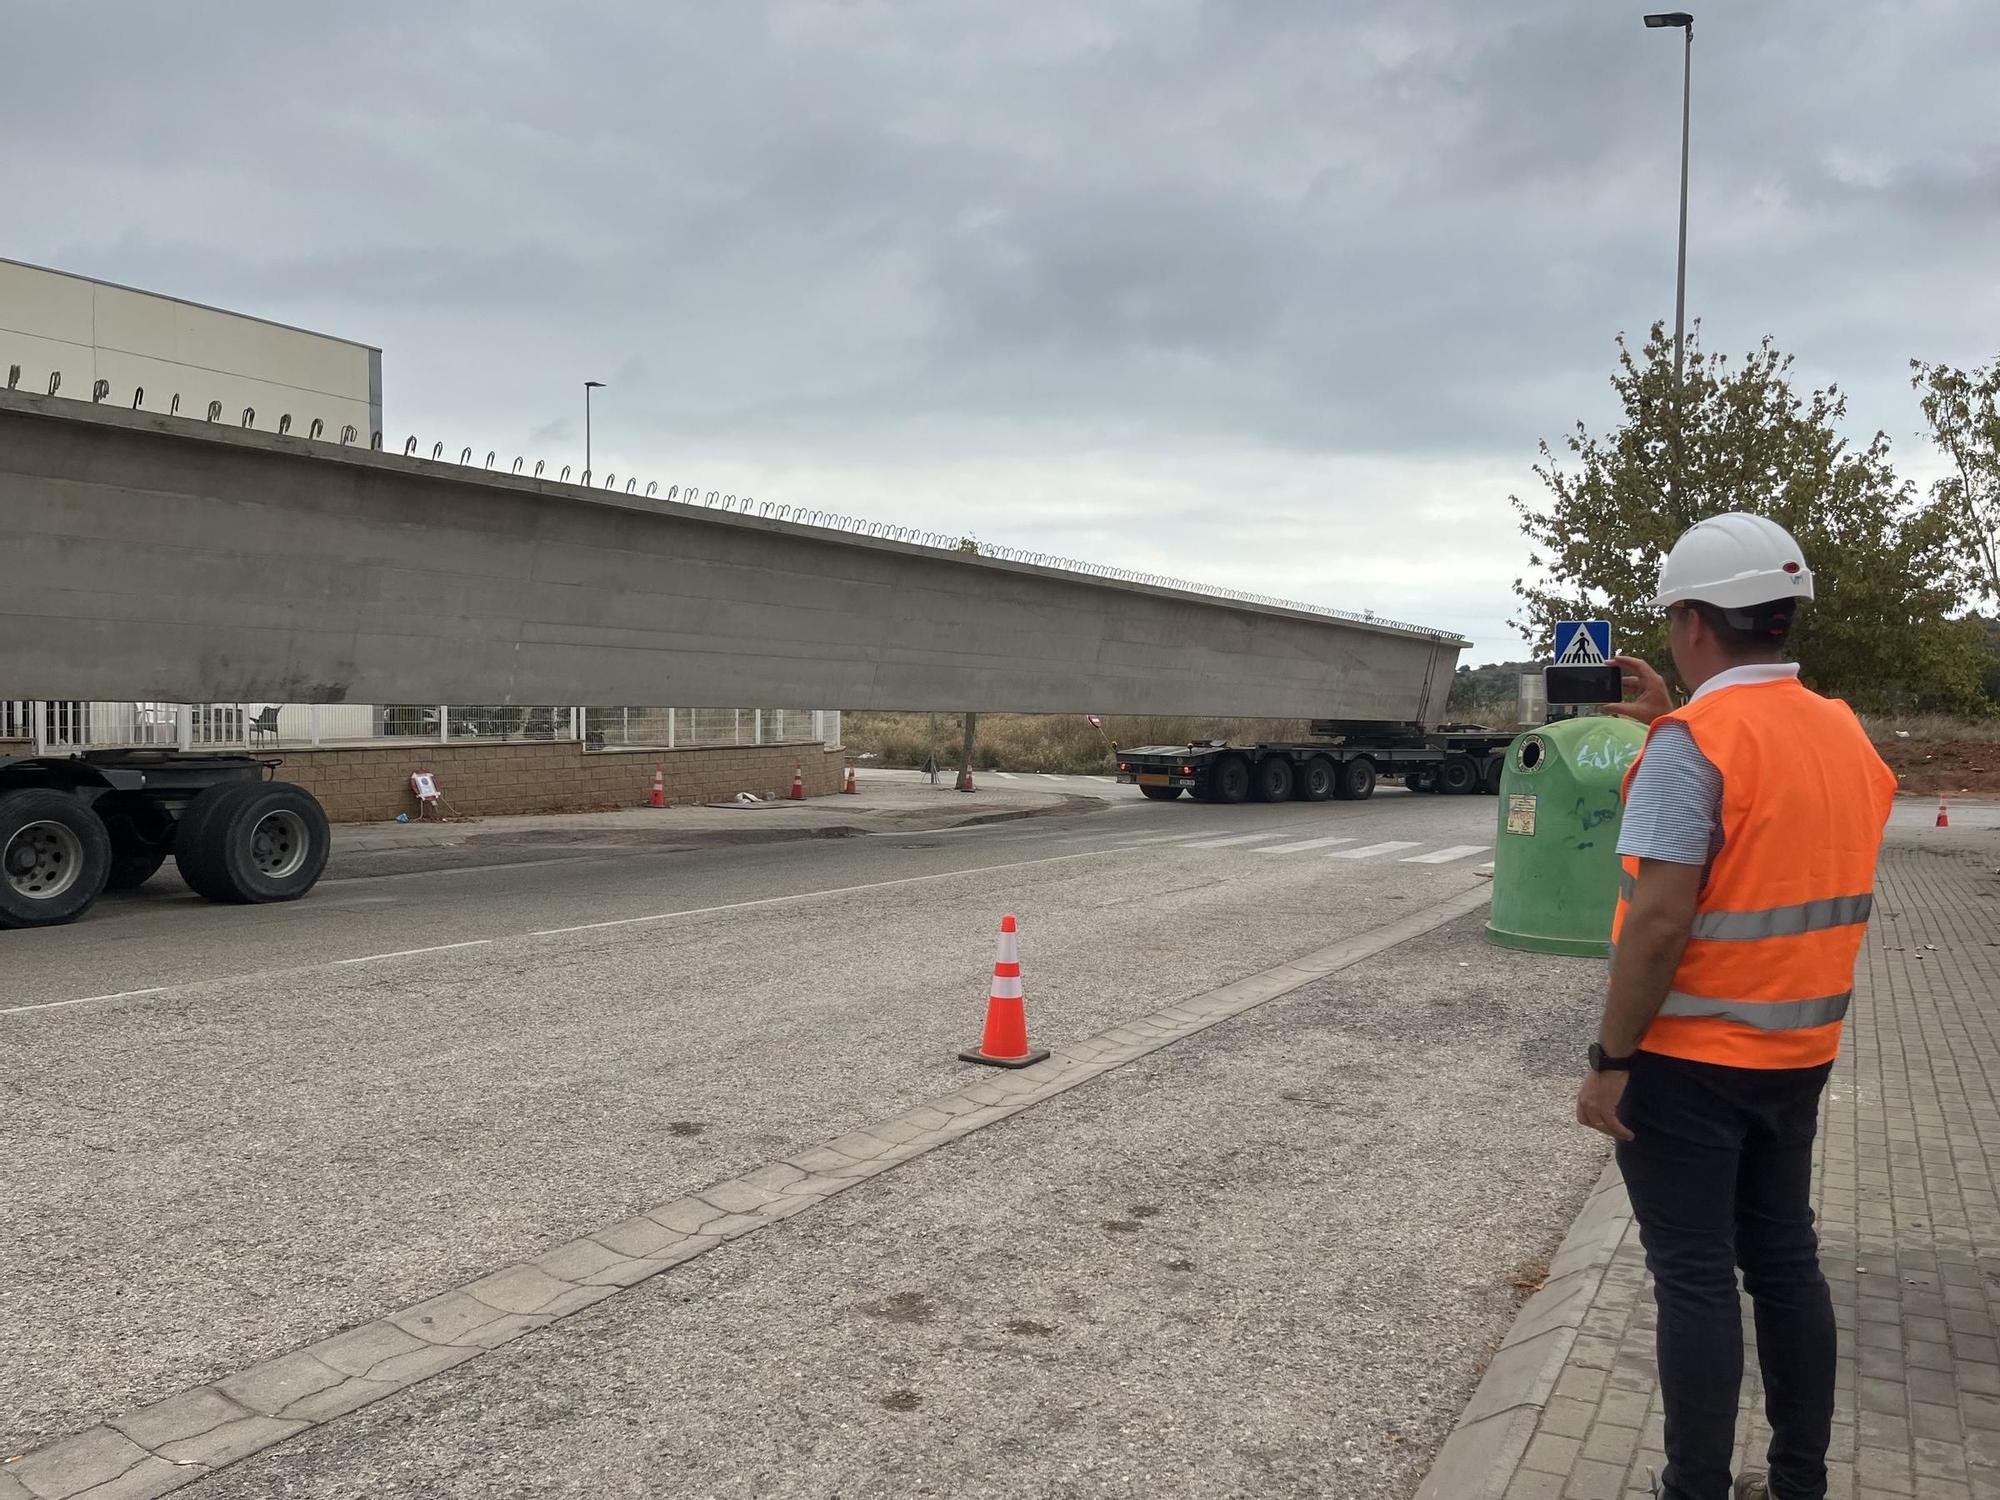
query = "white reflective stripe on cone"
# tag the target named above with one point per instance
(1006, 987)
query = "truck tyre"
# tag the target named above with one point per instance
(54, 857)
(252, 841)
(1229, 779)
(132, 865)
(1357, 780)
(1489, 778)
(1159, 793)
(1317, 779)
(1272, 780)
(1419, 779)
(1458, 775)
(142, 833)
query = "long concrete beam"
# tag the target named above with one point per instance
(149, 557)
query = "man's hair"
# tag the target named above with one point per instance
(1756, 631)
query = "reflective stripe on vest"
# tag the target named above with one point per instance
(1764, 1015)
(1772, 921)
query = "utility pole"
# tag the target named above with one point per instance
(1685, 22)
(588, 387)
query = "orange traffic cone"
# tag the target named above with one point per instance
(798, 783)
(659, 797)
(1005, 1044)
(1944, 818)
(853, 787)
(965, 780)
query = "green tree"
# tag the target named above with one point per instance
(1888, 565)
(1963, 411)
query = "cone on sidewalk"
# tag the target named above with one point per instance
(659, 797)
(965, 780)
(798, 783)
(1944, 818)
(853, 787)
(1005, 1044)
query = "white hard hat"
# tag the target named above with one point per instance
(1734, 561)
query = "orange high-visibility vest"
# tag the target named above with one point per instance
(1769, 966)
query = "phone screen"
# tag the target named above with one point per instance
(1593, 684)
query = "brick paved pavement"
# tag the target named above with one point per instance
(1909, 1237)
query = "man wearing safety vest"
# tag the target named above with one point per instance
(1752, 822)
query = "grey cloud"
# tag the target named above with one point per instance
(896, 236)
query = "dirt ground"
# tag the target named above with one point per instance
(1957, 766)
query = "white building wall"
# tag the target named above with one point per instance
(51, 321)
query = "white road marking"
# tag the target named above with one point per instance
(699, 911)
(13, 1010)
(1240, 838)
(1446, 856)
(839, 890)
(1136, 839)
(1488, 867)
(1301, 848)
(1369, 851)
(412, 952)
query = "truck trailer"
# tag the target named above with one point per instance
(1344, 761)
(73, 827)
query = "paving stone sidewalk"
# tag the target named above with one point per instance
(1909, 1237)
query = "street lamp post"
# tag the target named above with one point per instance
(1685, 21)
(588, 387)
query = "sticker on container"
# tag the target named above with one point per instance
(1521, 813)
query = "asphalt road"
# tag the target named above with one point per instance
(230, 1131)
(294, 1121)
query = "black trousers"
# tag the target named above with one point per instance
(1720, 1171)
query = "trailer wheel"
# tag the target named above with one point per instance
(1229, 779)
(1316, 780)
(252, 841)
(1272, 780)
(1458, 775)
(1159, 793)
(1489, 778)
(1357, 780)
(54, 858)
(142, 833)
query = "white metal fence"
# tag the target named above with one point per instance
(66, 726)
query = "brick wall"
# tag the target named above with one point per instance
(372, 784)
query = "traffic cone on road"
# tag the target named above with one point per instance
(1005, 1044)
(798, 783)
(853, 787)
(659, 797)
(1944, 818)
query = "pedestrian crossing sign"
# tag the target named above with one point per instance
(1583, 643)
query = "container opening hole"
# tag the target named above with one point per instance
(1531, 755)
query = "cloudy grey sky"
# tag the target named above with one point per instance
(1268, 293)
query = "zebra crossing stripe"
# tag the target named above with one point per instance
(1446, 856)
(1301, 848)
(1369, 851)
(1241, 838)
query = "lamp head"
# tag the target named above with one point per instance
(1669, 18)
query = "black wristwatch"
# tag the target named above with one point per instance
(1603, 1062)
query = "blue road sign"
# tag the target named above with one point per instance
(1583, 643)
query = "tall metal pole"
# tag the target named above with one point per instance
(588, 387)
(1681, 271)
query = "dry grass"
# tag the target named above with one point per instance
(1062, 743)
(1930, 727)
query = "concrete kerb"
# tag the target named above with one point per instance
(1484, 1450)
(174, 1441)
